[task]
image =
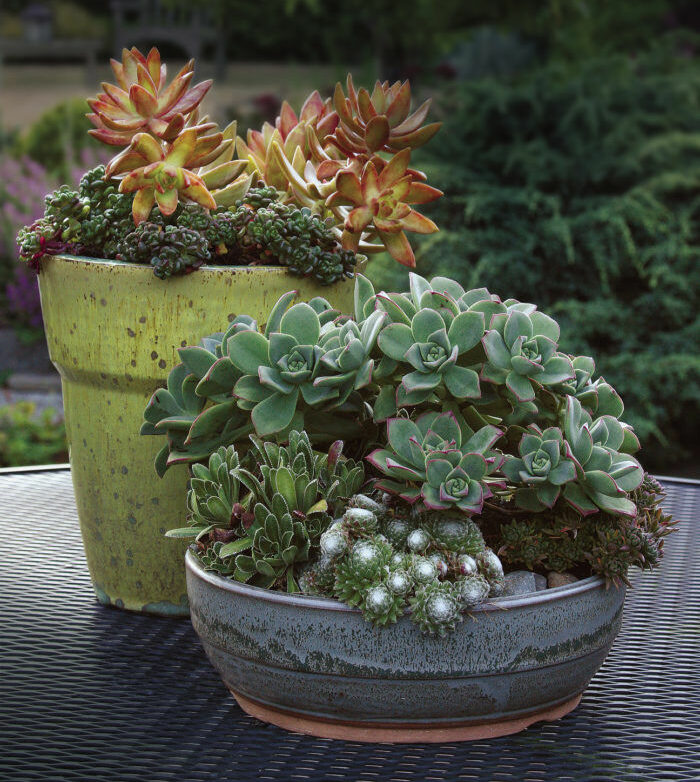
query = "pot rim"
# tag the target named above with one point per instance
(268, 269)
(331, 604)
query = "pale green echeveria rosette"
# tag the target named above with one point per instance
(521, 352)
(541, 469)
(284, 371)
(605, 473)
(438, 462)
(598, 397)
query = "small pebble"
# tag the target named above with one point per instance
(555, 579)
(540, 582)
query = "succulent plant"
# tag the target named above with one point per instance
(169, 250)
(224, 177)
(213, 494)
(279, 369)
(432, 348)
(471, 590)
(380, 202)
(309, 481)
(276, 543)
(542, 467)
(435, 608)
(160, 174)
(522, 353)
(291, 237)
(291, 135)
(604, 476)
(607, 544)
(437, 461)
(380, 121)
(283, 372)
(457, 535)
(563, 490)
(387, 575)
(142, 102)
(366, 563)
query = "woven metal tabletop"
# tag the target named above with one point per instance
(92, 693)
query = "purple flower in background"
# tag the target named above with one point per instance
(23, 185)
(23, 298)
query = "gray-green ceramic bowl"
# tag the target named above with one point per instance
(314, 665)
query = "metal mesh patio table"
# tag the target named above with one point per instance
(92, 693)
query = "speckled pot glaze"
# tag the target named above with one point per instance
(315, 665)
(113, 330)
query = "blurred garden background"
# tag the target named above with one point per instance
(569, 157)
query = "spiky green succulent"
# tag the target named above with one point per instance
(606, 544)
(541, 469)
(277, 543)
(269, 507)
(435, 608)
(437, 460)
(309, 481)
(384, 574)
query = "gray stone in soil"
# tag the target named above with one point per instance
(540, 582)
(519, 582)
(555, 579)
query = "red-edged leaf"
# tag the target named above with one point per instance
(399, 248)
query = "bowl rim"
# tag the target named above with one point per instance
(316, 602)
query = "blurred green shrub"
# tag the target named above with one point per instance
(27, 438)
(581, 192)
(59, 140)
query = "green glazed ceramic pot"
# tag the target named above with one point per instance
(113, 330)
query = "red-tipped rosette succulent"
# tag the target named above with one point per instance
(380, 202)
(141, 102)
(380, 121)
(161, 173)
(290, 133)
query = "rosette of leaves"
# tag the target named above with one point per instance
(380, 121)
(439, 461)
(311, 482)
(365, 565)
(381, 205)
(169, 249)
(194, 428)
(141, 101)
(277, 543)
(280, 368)
(605, 473)
(454, 534)
(160, 174)
(542, 467)
(432, 345)
(435, 608)
(521, 351)
(347, 355)
(213, 494)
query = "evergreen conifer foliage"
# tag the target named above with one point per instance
(581, 191)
